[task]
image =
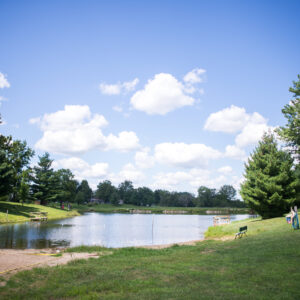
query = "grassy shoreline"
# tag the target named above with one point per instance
(18, 213)
(108, 208)
(265, 264)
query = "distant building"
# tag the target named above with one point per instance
(96, 201)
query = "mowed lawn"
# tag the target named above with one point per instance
(264, 265)
(21, 213)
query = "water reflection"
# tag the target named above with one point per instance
(109, 230)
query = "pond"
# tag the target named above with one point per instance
(108, 230)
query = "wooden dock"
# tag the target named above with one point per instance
(39, 216)
(221, 220)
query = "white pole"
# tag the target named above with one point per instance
(152, 227)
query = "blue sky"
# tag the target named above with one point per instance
(168, 94)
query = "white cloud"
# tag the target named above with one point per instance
(128, 172)
(161, 95)
(185, 155)
(93, 173)
(194, 76)
(232, 151)
(110, 89)
(72, 117)
(118, 88)
(130, 85)
(235, 119)
(230, 120)
(170, 181)
(3, 81)
(76, 130)
(225, 170)
(117, 108)
(143, 160)
(81, 169)
(190, 181)
(125, 141)
(251, 134)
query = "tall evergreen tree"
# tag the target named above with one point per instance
(291, 132)
(44, 181)
(23, 192)
(269, 186)
(6, 174)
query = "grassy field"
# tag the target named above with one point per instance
(19, 213)
(108, 208)
(264, 265)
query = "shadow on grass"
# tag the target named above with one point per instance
(17, 209)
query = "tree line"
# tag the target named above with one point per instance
(143, 196)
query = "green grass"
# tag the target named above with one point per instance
(264, 265)
(126, 208)
(21, 213)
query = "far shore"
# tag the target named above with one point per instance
(13, 212)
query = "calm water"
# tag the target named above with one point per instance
(109, 230)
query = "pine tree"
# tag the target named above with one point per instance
(291, 132)
(44, 187)
(269, 186)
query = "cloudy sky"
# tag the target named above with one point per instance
(167, 94)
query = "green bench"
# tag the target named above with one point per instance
(242, 231)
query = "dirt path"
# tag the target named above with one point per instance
(12, 261)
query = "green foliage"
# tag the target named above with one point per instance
(104, 190)
(23, 192)
(206, 196)
(114, 198)
(14, 158)
(65, 185)
(291, 132)
(143, 196)
(6, 173)
(224, 197)
(44, 181)
(125, 191)
(79, 198)
(270, 183)
(86, 192)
